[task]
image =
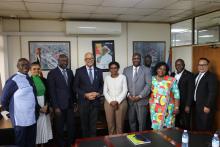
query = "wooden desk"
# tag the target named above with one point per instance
(6, 132)
(165, 138)
(5, 124)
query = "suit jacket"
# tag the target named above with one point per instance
(186, 88)
(62, 95)
(142, 84)
(83, 85)
(206, 91)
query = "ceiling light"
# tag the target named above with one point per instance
(206, 36)
(180, 30)
(203, 31)
(87, 27)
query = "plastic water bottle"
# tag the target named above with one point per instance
(215, 141)
(185, 139)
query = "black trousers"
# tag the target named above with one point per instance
(204, 122)
(65, 119)
(88, 117)
(183, 120)
(25, 136)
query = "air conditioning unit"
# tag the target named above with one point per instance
(83, 27)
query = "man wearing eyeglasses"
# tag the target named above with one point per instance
(89, 86)
(204, 96)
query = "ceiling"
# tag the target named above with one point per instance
(110, 10)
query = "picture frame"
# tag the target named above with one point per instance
(104, 53)
(47, 53)
(156, 49)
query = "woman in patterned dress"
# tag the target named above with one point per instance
(164, 98)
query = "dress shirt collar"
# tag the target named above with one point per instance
(180, 72)
(61, 69)
(136, 67)
(92, 67)
(19, 73)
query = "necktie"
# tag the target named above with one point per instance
(196, 85)
(135, 74)
(65, 76)
(134, 80)
(90, 75)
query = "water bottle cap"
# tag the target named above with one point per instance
(185, 130)
(216, 135)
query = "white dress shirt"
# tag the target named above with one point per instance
(178, 76)
(115, 89)
(134, 69)
(198, 78)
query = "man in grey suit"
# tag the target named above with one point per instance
(139, 86)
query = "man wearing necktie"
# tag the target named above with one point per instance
(139, 86)
(60, 85)
(89, 86)
(205, 96)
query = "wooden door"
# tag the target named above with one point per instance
(213, 54)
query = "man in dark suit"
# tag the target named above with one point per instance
(185, 82)
(60, 84)
(205, 96)
(89, 87)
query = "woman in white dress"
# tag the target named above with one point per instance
(115, 91)
(44, 131)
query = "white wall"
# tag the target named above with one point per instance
(185, 53)
(49, 30)
(148, 32)
(3, 54)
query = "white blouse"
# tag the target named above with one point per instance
(115, 89)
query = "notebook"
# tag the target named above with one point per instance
(138, 139)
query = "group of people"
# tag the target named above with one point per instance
(137, 93)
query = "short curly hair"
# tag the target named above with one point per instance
(158, 65)
(114, 63)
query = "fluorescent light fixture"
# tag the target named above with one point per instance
(202, 31)
(176, 40)
(87, 27)
(206, 36)
(180, 30)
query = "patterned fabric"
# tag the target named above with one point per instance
(162, 101)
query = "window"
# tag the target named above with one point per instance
(207, 28)
(181, 33)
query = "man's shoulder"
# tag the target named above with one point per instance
(11, 79)
(188, 73)
(53, 70)
(80, 68)
(211, 74)
(145, 69)
(127, 68)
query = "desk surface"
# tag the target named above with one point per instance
(5, 124)
(165, 138)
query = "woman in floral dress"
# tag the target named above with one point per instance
(164, 98)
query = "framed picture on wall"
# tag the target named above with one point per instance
(103, 51)
(156, 49)
(47, 52)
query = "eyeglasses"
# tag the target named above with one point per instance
(89, 59)
(202, 65)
